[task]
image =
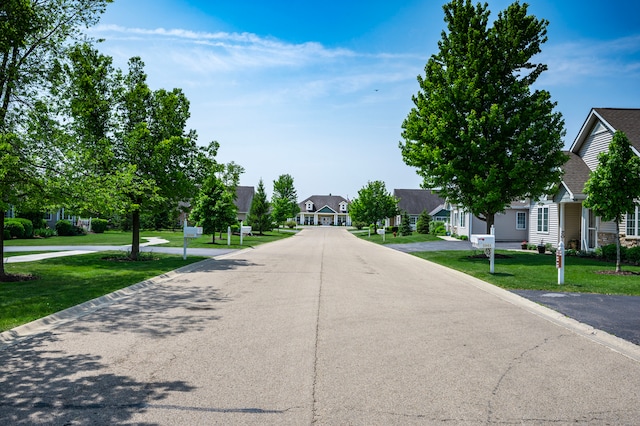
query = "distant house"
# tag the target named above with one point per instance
(416, 201)
(324, 210)
(561, 215)
(244, 197)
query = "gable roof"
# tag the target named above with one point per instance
(244, 196)
(576, 174)
(415, 201)
(626, 120)
(321, 201)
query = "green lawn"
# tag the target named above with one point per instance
(532, 271)
(390, 239)
(175, 239)
(68, 281)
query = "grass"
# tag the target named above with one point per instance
(532, 271)
(69, 281)
(390, 239)
(175, 238)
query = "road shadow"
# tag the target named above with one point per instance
(44, 386)
(214, 265)
(158, 311)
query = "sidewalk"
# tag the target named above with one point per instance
(62, 251)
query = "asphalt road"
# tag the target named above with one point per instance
(320, 328)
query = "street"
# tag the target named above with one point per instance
(320, 328)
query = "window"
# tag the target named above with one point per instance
(543, 219)
(521, 220)
(633, 223)
(309, 206)
(463, 220)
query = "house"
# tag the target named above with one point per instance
(244, 197)
(324, 210)
(509, 225)
(561, 214)
(414, 202)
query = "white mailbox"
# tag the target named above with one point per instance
(483, 241)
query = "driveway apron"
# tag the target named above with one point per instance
(319, 328)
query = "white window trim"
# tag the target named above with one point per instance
(524, 227)
(543, 209)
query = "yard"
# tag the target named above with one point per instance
(533, 271)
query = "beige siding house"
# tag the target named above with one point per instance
(509, 226)
(568, 220)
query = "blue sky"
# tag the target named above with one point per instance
(319, 89)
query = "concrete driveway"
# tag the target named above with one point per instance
(320, 328)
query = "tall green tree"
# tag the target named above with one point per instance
(284, 199)
(154, 151)
(614, 186)
(32, 36)
(477, 132)
(259, 215)
(214, 208)
(373, 204)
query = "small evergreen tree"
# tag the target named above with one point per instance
(259, 216)
(214, 208)
(422, 226)
(405, 225)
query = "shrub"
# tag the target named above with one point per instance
(27, 224)
(15, 228)
(6, 235)
(633, 255)
(99, 225)
(290, 224)
(44, 233)
(608, 252)
(64, 228)
(359, 225)
(437, 228)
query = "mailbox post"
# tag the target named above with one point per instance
(189, 232)
(485, 242)
(560, 262)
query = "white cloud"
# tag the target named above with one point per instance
(576, 62)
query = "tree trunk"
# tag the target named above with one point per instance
(490, 221)
(135, 241)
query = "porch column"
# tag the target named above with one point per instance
(301, 218)
(315, 218)
(561, 233)
(335, 219)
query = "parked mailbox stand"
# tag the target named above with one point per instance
(487, 243)
(382, 232)
(189, 232)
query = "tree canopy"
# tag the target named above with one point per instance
(259, 215)
(284, 199)
(477, 132)
(614, 186)
(373, 204)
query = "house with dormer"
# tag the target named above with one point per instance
(561, 215)
(324, 210)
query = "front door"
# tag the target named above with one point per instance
(325, 221)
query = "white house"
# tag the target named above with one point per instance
(561, 215)
(324, 210)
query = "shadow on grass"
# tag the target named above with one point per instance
(42, 385)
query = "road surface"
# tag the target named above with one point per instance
(320, 328)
